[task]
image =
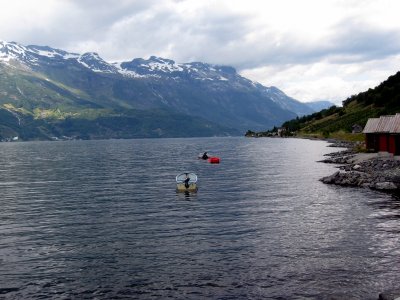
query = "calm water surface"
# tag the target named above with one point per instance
(102, 220)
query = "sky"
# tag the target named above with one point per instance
(310, 49)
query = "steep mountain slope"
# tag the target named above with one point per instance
(52, 85)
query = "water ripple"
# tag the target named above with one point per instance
(101, 219)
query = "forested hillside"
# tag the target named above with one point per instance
(381, 100)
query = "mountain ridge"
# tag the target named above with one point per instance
(71, 82)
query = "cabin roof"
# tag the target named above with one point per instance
(384, 124)
(395, 126)
(371, 126)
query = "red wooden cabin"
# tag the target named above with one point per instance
(383, 134)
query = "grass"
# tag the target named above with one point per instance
(340, 135)
(347, 136)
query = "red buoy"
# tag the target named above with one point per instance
(213, 160)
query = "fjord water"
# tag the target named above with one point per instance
(102, 220)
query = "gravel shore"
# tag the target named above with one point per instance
(379, 171)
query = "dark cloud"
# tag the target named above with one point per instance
(349, 42)
(101, 15)
(359, 41)
(78, 21)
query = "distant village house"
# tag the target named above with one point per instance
(356, 128)
(281, 131)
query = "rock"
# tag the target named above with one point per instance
(390, 295)
(386, 185)
(366, 170)
(395, 178)
(330, 179)
(366, 185)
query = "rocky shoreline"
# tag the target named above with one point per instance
(378, 171)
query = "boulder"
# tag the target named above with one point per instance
(330, 179)
(386, 185)
(390, 295)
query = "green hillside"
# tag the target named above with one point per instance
(23, 88)
(336, 121)
(34, 106)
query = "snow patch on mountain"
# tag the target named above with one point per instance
(94, 62)
(154, 67)
(9, 51)
(130, 73)
(39, 57)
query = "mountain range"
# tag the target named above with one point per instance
(48, 93)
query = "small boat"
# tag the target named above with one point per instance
(210, 159)
(186, 182)
(213, 160)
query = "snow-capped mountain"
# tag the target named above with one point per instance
(211, 92)
(158, 67)
(31, 55)
(153, 67)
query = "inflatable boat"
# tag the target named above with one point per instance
(186, 182)
(213, 160)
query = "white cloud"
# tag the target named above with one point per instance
(325, 80)
(310, 49)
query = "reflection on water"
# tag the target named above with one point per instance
(188, 196)
(102, 219)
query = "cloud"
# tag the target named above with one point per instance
(170, 30)
(325, 80)
(355, 40)
(308, 48)
(65, 23)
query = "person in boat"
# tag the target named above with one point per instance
(205, 156)
(186, 181)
